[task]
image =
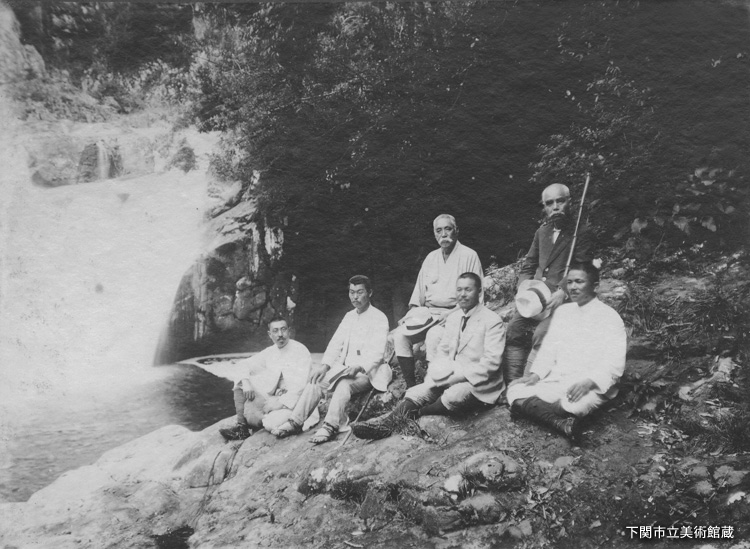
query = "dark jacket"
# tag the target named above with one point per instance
(546, 261)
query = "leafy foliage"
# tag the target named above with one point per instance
(112, 36)
(336, 117)
(53, 96)
(710, 206)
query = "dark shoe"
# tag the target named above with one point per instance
(516, 412)
(549, 415)
(238, 432)
(374, 429)
(571, 428)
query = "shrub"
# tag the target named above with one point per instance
(53, 97)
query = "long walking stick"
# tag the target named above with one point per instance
(367, 401)
(575, 232)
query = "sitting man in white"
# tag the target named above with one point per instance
(465, 374)
(275, 380)
(435, 290)
(579, 363)
(352, 364)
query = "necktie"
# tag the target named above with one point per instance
(464, 320)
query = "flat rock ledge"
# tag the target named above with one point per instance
(482, 481)
(274, 493)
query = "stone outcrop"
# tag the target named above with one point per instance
(265, 492)
(476, 482)
(229, 295)
(66, 153)
(17, 61)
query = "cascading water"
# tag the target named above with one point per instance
(92, 270)
(89, 273)
(102, 161)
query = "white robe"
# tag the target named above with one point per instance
(436, 282)
(586, 342)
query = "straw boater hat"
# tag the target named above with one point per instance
(417, 321)
(532, 299)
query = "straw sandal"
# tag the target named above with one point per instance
(326, 433)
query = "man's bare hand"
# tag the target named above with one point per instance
(556, 299)
(247, 389)
(317, 373)
(452, 379)
(528, 379)
(578, 390)
(352, 371)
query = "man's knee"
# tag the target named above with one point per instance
(422, 394)
(343, 387)
(459, 398)
(583, 406)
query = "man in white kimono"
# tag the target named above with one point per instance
(436, 290)
(352, 364)
(466, 373)
(579, 363)
(275, 380)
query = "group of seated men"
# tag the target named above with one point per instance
(559, 360)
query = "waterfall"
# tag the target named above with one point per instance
(102, 161)
(89, 275)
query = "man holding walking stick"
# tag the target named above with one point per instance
(546, 262)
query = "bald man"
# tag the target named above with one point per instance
(545, 261)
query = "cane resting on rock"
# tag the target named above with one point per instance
(276, 377)
(352, 364)
(579, 363)
(465, 374)
(545, 262)
(434, 295)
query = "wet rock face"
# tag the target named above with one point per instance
(99, 162)
(17, 61)
(67, 155)
(227, 298)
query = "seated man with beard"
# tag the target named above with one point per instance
(545, 262)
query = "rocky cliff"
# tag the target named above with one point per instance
(231, 292)
(17, 61)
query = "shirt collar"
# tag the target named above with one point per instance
(369, 306)
(588, 305)
(470, 311)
